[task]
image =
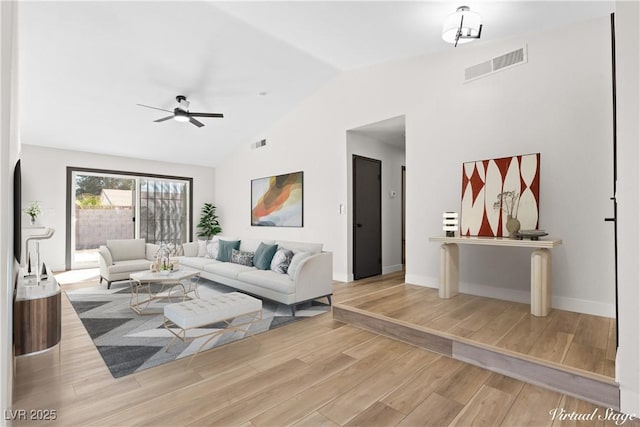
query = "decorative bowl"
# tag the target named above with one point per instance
(530, 234)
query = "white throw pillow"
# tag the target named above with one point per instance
(212, 248)
(202, 248)
(296, 261)
(281, 260)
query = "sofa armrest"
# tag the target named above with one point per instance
(151, 250)
(105, 260)
(314, 277)
(190, 249)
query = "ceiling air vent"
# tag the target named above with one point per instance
(499, 63)
(258, 144)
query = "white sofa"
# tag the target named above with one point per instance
(121, 257)
(311, 280)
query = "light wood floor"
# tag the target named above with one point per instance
(566, 338)
(317, 372)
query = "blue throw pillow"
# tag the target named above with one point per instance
(225, 247)
(263, 256)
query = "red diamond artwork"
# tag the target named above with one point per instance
(518, 174)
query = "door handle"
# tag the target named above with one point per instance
(614, 210)
(359, 225)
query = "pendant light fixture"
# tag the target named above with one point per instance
(462, 26)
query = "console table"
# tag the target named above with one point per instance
(540, 266)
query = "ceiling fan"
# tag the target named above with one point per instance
(182, 114)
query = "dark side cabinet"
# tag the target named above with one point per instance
(37, 314)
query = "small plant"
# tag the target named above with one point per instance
(209, 224)
(508, 202)
(33, 210)
(166, 265)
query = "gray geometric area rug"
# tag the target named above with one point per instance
(130, 343)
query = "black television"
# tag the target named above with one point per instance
(17, 212)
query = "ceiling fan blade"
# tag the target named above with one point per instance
(163, 119)
(195, 122)
(220, 115)
(155, 108)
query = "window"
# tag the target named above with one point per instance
(104, 204)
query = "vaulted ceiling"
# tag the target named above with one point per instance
(83, 66)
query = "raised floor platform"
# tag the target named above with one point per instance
(569, 352)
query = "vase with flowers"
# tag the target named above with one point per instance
(33, 210)
(508, 202)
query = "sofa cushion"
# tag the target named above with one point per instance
(251, 245)
(314, 248)
(242, 257)
(129, 266)
(105, 254)
(224, 249)
(227, 269)
(211, 248)
(269, 280)
(151, 251)
(296, 261)
(263, 256)
(126, 249)
(190, 249)
(196, 262)
(281, 260)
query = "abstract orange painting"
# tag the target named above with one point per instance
(276, 201)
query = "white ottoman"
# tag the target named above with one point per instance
(201, 312)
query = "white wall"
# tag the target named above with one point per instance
(9, 152)
(322, 160)
(44, 179)
(627, 19)
(558, 104)
(392, 159)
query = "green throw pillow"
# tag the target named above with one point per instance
(263, 256)
(225, 248)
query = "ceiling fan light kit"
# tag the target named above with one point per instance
(463, 26)
(182, 114)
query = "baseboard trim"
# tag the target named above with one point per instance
(391, 269)
(418, 280)
(341, 277)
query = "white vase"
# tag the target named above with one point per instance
(513, 226)
(32, 220)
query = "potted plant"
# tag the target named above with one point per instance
(33, 210)
(209, 225)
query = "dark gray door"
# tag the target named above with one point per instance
(367, 217)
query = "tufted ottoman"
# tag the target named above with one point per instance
(197, 313)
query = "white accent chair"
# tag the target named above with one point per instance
(121, 257)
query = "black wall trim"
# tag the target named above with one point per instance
(615, 162)
(72, 169)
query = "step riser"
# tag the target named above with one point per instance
(551, 377)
